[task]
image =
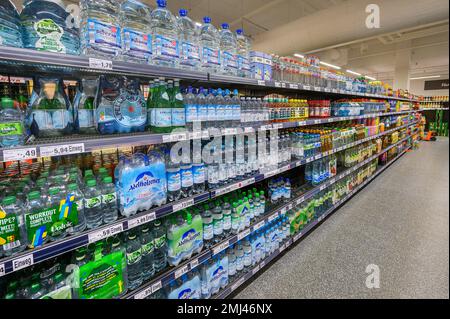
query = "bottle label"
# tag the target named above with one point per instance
(189, 52)
(166, 47)
(202, 112)
(217, 227)
(93, 202)
(186, 178)
(148, 248)
(85, 118)
(198, 171)
(212, 115)
(229, 60)
(160, 241)
(208, 231)
(226, 221)
(191, 113)
(103, 33)
(236, 112)
(11, 129)
(243, 63)
(247, 259)
(186, 238)
(239, 263)
(109, 198)
(163, 117)
(220, 112)
(229, 112)
(137, 44)
(50, 34)
(52, 221)
(134, 256)
(173, 181)
(210, 56)
(178, 117)
(9, 231)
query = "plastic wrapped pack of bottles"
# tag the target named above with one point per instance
(12, 128)
(10, 32)
(84, 108)
(46, 26)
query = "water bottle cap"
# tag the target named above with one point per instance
(91, 183)
(34, 195)
(236, 92)
(161, 3)
(183, 13)
(225, 26)
(107, 180)
(207, 19)
(219, 91)
(240, 31)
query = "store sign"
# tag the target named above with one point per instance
(436, 85)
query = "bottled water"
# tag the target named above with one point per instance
(12, 130)
(100, 28)
(35, 203)
(228, 102)
(217, 222)
(243, 51)
(235, 219)
(92, 205)
(189, 42)
(78, 197)
(160, 256)
(173, 178)
(210, 102)
(136, 31)
(210, 47)
(109, 201)
(198, 172)
(208, 226)
(165, 36)
(247, 261)
(236, 108)
(202, 107)
(191, 108)
(147, 249)
(178, 111)
(219, 104)
(231, 263)
(12, 233)
(187, 180)
(84, 105)
(46, 26)
(10, 34)
(161, 112)
(228, 46)
(134, 260)
(227, 217)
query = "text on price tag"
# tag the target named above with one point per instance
(60, 150)
(259, 225)
(221, 247)
(293, 86)
(2, 270)
(238, 283)
(100, 64)
(143, 294)
(243, 234)
(180, 272)
(261, 82)
(105, 233)
(183, 205)
(135, 222)
(23, 262)
(19, 154)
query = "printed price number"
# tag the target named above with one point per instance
(243, 234)
(2, 270)
(180, 272)
(194, 263)
(261, 82)
(327, 90)
(143, 294)
(259, 225)
(273, 217)
(156, 286)
(317, 156)
(238, 283)
(306, 87)
(266, 127)
(221, 247)
(323, 187)
(135, 222)
(278, 126)
(100, 64)
(23, 262)
(249, 130)
(174, 137)
(19, 154)
(183, 205)
(59, 150)
(283, 211)
(293, 86)
(329, 120)
(229, 131)
(277, 84)
(283, 85)
(319, 89)
(104, 233)
(298, 236)
(195, 135)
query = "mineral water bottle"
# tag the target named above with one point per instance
(12, 130)
(199, 176)
(100, 28)
(134, 260)
(217, 222)
(202, 108)
(136, 32)
(191, 108)
(173, 178)
(220, 109)
(12, 234)
(74, 190)
(236, 108)
(187, 181)
(33, 207)
(10, 26)
(147, 249)
(227, 217)
(109, 201)
(160, 256)
(84, 105)
(165, 36)
(228, 47)
(189, 42)
(208, 226)
(178, 111)
(228, 101)
(210, 47)
(212, 109)
(243, 54)
(92, 205)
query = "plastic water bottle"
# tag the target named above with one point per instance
(191, 108)
(212, 109)
(217, 222)
(220, 109)
(189, 42)
(12, 131)
(243, 54)
(165, 36)
(74, 190)
(199, 176)
(160, 256)
(227, 217)
(13, 233)
(92, 205)
(100, 28)
(187, 181)
(173, 178)
(134, 260)
(10, 34)
(228, 112)
(236, 108)
(210, 47)
(136, 32)
(109, 201)
(228, 46)
(147, 249)
(202, 108)
(208, 227)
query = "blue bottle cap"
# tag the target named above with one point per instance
(161, 3)
(219, 91)
(225, 26)
(240, 31)
(207, 19)
(183, 13)
(227, 92)
(236, 92)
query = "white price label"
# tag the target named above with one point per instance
(247, 182)
(266, 127)
(262, 264)
(283, 85)
(306, 87)
(329, 120)
(302, 123)
(174, 137)
(270, 174)
(100, 64)
(59, 150)
(317, 156)
(283, 211)
(249, 130)
(334, 90)
(238, 283)
(316, 88)
(194, 264)
(229, 131)
(255, 270)
(19, 154)
(180, 272)
(221, 247)
(327, 90)
(2, 270)
(222, 191)
(144, 293)
(317, 121)
(259, 225)
(298, 236)
(323, 187)
(182, 205)
(23, 262)
(283, 247)
(194, 135)
(277, 84)
(293, 86)
(309, 159)
(262, 82)
(156, 286)
(278, 126)
(273, 217)
(243, 234)
(135, 222)
(105, 233)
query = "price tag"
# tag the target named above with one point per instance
(277, 84)
(144, 293)
(306, 87)
(270, 174)
(181, 271)
(323, 187)
(247, 182)
(194, 135)
(317, 121)
(293, 86)
(327, 90)
(243, 234)
(194, 264)
(255, 270)
(262, 264)
(334, 90)
(262, 82)
(273, 217)
(309, 159)
(316, 88)
(329, 120)
(332, 181)
(135, 222)
(222, 191)
(229, 131)
(59, 150)
(259, 225)
(283, 85)
(2, 270)
(221, 247)
(283, 247)
(317, 156)
(105, 233)
(23, 262)
(176, 137)
(100, 64)
(238, 283)
(156, 286)
(278, 126)
(302, 123)
(249, 130)
(182, 205)
(298, 236)
(19, 154)
(283, 211)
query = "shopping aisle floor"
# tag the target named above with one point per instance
(399, 222)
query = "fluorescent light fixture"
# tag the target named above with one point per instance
(198, 24)
(426, 77)
(330, 65)
(298, 55)
(353, 72)
(370, 78)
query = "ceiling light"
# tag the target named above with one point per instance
(330, 65)
(353, 72)
(426, 77)
(298, 55)
(370, 78)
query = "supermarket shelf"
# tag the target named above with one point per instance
(77, 144)
(232, 287)
(28, 258)
(434, 109)
(176, 272)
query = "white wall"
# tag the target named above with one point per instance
(417, 87)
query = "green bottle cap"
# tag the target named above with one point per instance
(91, 183)
(34, 195)
(9, 200)
(54, 191)
(35, 288)
(102, 170)
(107, 180)
(73, 187)
(88, 173)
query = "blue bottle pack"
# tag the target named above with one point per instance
(120, 106)
(188, 287)
(214, 275)
(10, 34)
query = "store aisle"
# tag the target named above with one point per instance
(399, 222)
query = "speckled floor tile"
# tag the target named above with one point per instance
(399, 222)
